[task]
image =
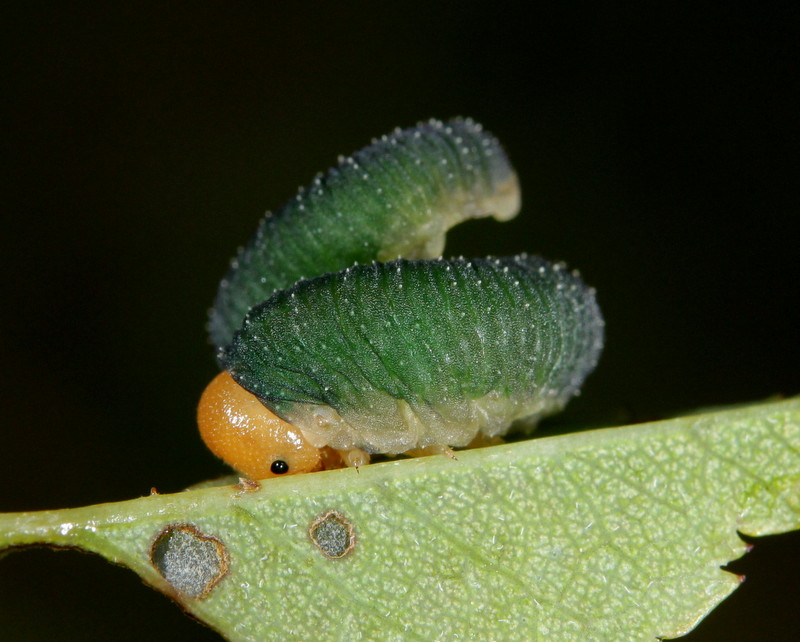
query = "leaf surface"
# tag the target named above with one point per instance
(607, 534)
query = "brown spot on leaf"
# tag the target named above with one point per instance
(192, 563)
(333, 534)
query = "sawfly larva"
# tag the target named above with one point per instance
(369, 355)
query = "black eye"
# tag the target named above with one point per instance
(279, 467)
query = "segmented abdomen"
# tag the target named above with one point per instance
(389, 357)
(396, 197)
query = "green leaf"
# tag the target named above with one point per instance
(602, 535)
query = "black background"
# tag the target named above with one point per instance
(657, 152)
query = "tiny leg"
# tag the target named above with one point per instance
(354, 457)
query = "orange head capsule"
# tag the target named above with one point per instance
(239, 429)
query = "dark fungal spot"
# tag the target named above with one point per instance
(333, 534)
(192, 563)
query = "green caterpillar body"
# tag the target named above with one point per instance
(394, 356)
(396, 197)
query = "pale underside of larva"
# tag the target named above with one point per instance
(396, 197)
(407, 354)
